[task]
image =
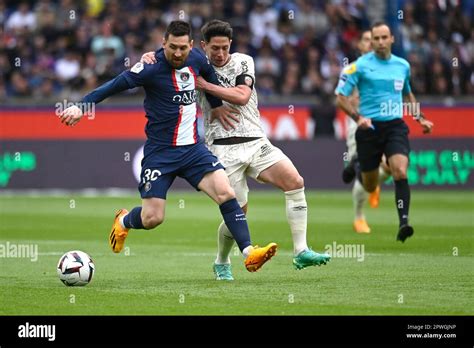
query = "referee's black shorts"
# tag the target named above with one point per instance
(389, 138)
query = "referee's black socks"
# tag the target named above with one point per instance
(402, 200)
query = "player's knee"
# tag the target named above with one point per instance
(298, 182)
(224, 195)
(151, 220)
(399, 173)
(293, 182)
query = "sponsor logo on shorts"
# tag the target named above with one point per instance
(265, 150)
(147, 186)
(215, 163)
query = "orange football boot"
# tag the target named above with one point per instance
(258, 256)
(118, 234)
(361, 226)
(374, 198)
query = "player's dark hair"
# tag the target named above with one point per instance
(216, 28)
(380, 24)
(178, 28)
(361, 35)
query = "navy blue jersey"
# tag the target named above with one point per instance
(170, 101)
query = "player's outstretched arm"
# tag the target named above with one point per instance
(122, 82)
(238, 95)
(419, 116)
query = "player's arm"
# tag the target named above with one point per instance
(238, 95)
(348, 81)
(244, 83)
(409, 97)
(126, 80)
(225, 114)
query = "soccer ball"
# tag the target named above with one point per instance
(75, 268)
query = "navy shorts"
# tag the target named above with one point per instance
(161, 165)
(388, 137)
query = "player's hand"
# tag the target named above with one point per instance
(201, 83)
(225, 114)
(364, 123)
(71, 115)
(148, 58)
(426, 125)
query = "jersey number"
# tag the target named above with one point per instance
(151, 175)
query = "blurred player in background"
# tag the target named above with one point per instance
(383, 81)
(359, 195)
(241, 145)
(173, 147)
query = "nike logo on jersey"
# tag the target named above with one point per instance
(183, 86)
(237, 215)
(215, 163)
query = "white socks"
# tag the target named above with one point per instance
(359, 197)
(382, 175)
(121, 221)
(297, 216)
(225, 241)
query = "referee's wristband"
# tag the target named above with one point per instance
(419, 117)
(355, 116)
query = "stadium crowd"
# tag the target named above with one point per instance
(64, 48)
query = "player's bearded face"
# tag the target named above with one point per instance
(217, 50)
(176, 49)
(382, 40)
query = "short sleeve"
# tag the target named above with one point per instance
(406, 84)
(348, 80)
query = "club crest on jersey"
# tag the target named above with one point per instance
(137, 68)
(184, 76)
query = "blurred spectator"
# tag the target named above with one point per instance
(262, 21)
(109, 50)
(266, 62)
(60, 47)
(22, 19)
(67, 67)
(19, 85)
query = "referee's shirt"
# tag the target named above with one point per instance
(381, 84)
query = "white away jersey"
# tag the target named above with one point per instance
(249, 116)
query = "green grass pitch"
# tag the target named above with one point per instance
(167, 271)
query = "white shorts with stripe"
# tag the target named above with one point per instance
(246, 159)
(351, 140)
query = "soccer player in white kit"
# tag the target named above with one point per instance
(242, 147)
(359, 195)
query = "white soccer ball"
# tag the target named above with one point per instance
(75, 268)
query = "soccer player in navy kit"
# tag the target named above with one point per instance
(173, 147)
